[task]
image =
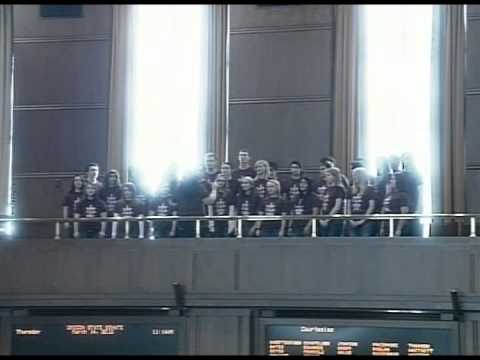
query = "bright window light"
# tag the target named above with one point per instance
(168, 106)
(397, 46)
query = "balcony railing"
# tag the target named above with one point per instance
(151, 220)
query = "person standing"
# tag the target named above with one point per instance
(244, 168)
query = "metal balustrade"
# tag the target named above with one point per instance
(390, 218)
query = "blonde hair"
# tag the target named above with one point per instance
(362, 175)
(266, 165)
(277, 185)
(335, 172)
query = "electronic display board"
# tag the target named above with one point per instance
(96, 335)
(334, 337)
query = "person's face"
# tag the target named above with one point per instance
(260, 169)
(243, 157)
(226, 170)
(294, 191)
(92, 172)
(329, 178)
(112, 179)
(295, 170)
(271, 188)
(127, 193)
(210, 162)
(245, 185)
(77, 182)
(220, 182)
(303, 185)
(90, 190)
(322, 172)
(356, 177)
(391, 185)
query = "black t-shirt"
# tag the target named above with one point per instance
(393, 202)
(246, 204)
(71, 200)
(273, 206)
(222, 204)
(233, 186)
(360, 201)
(287, 184)
(190, 193)
(129, 208)
(238, 173)
(261, 187)
(163, 206)
(303, 205)
(110, 195)
(270, 207)
(412, 182)
(332, 193)
(90, 208)
(319, 190)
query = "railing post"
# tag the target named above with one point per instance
(57, 230)
(239, 228)
(314, 227)
(197, 228)
(151, 230)
(114, 229)
(127, 229)
(473, 230)
(391, 227)
(141, 229)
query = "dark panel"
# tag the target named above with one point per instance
(281, 132)
(167, 264)
(472, 78)
(281, 64)
(62, 73)
(41, 197)
(472, 129)
(96, 20)
(60, 11)
(473, 10)
(248, 16)
(59, 140)
(472, 191)
(213, 271)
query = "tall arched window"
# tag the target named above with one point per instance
(168, 104)
(395, 57)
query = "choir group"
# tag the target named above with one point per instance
(246, 191)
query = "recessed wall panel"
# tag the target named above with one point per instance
(62, 73)
(96, 20)
(472, 128)
(281, 132)
(472, 78)
(249, 16)
(59, 140)
(472, 191)
(284, 64)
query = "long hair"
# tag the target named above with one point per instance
(309, 186)
(250, 181)
(337, 175)
(131, 186)
(277, 187)
(108, 174)
(266, 165)
(72, 186)
(362, 174)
